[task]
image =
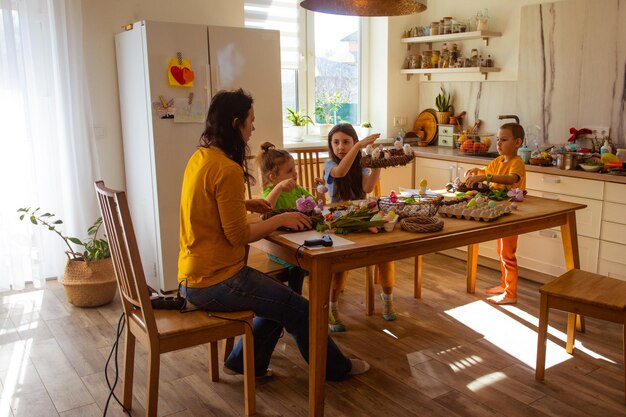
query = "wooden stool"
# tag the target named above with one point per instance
(584, 293)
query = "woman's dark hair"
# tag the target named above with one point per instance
(227, 113)
(350, 186)
(270, 160)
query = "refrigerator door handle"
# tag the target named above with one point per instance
(207, 85)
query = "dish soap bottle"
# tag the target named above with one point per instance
(606, 148)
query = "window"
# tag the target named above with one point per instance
(334, 42)
(337, 57)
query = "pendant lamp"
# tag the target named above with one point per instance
(366, 7)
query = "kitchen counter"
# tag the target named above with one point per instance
(450, 154)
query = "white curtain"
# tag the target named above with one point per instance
(46, 137)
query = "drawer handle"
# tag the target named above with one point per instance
(550, 196)
(548, 233)
(550, 179)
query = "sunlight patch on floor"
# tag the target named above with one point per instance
(557, 333)
(506, 333)
(29, 301)
(390, 333)
(486, 380)
(16, 373)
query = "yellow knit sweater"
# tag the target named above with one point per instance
(213, 226)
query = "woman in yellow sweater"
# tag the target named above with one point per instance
(214, 233)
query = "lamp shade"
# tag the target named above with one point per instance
(366, 7)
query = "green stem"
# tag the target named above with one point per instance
(59, 233)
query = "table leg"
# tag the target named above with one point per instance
(369, 290)
(542, 338)
(572, 257)
(472, 267)
(319, 288)
(417, 277)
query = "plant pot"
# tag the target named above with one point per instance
(365, 132)
(89, 284)
(325, 129)
(443, 117)
(297, 133)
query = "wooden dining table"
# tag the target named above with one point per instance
(533, 214)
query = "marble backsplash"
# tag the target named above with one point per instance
(572, 73)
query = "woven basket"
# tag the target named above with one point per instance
(89, 284)
(397, 158)
(424, 207)
(420, 224)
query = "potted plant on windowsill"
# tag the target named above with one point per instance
(299, 121)
(89, 278)
(444, 106)
(366, 129)
(326, 111)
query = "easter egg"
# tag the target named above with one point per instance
(322, 189)
(491, 204)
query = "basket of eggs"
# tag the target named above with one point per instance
(474, 144)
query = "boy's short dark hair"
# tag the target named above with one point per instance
(516, 129)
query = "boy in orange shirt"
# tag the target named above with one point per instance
(506, 170)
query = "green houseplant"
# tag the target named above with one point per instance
(326, 109)
(366, 129)
(299, 121)
(89, 278)
(443, 104)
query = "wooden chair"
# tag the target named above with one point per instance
(162, 331)
(584, 293)
(308, 164)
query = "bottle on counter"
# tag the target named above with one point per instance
(606, 148)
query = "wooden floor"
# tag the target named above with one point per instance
(449, 354)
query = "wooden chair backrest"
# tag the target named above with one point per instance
(129, 272)
(308, 164)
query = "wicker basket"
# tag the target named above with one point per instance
(89, 284)
(397, 158)
(419, 224)
(423, 207)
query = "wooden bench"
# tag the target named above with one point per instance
(584, 293)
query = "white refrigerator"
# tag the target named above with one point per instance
(162, 122)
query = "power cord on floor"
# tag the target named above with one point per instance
(120, 328)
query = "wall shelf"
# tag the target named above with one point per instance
(467, 70)
(478, 34)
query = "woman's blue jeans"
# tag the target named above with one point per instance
(275, 307)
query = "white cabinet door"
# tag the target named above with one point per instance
(438, 173)
(396, 177)
(612, 262)
(543, 251)
(587, 220)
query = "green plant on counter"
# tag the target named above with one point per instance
(95, 248)
(442, 101)
(298, 118)
(366, 125)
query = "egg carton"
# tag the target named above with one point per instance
(487, 214)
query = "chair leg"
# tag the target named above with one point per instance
(227, 347)
(214, 372)
(129, 366)
(248, 370)
(417, 277)
(624, 353)
(152, 395)
(369, 290)
(542, 336)
(571, 332)
(472, 267)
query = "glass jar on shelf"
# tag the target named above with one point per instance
(426, 59)
(436, 55)
(447, 25)
(474, 62)
(434, 28)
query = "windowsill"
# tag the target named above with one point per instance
(317, 141)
